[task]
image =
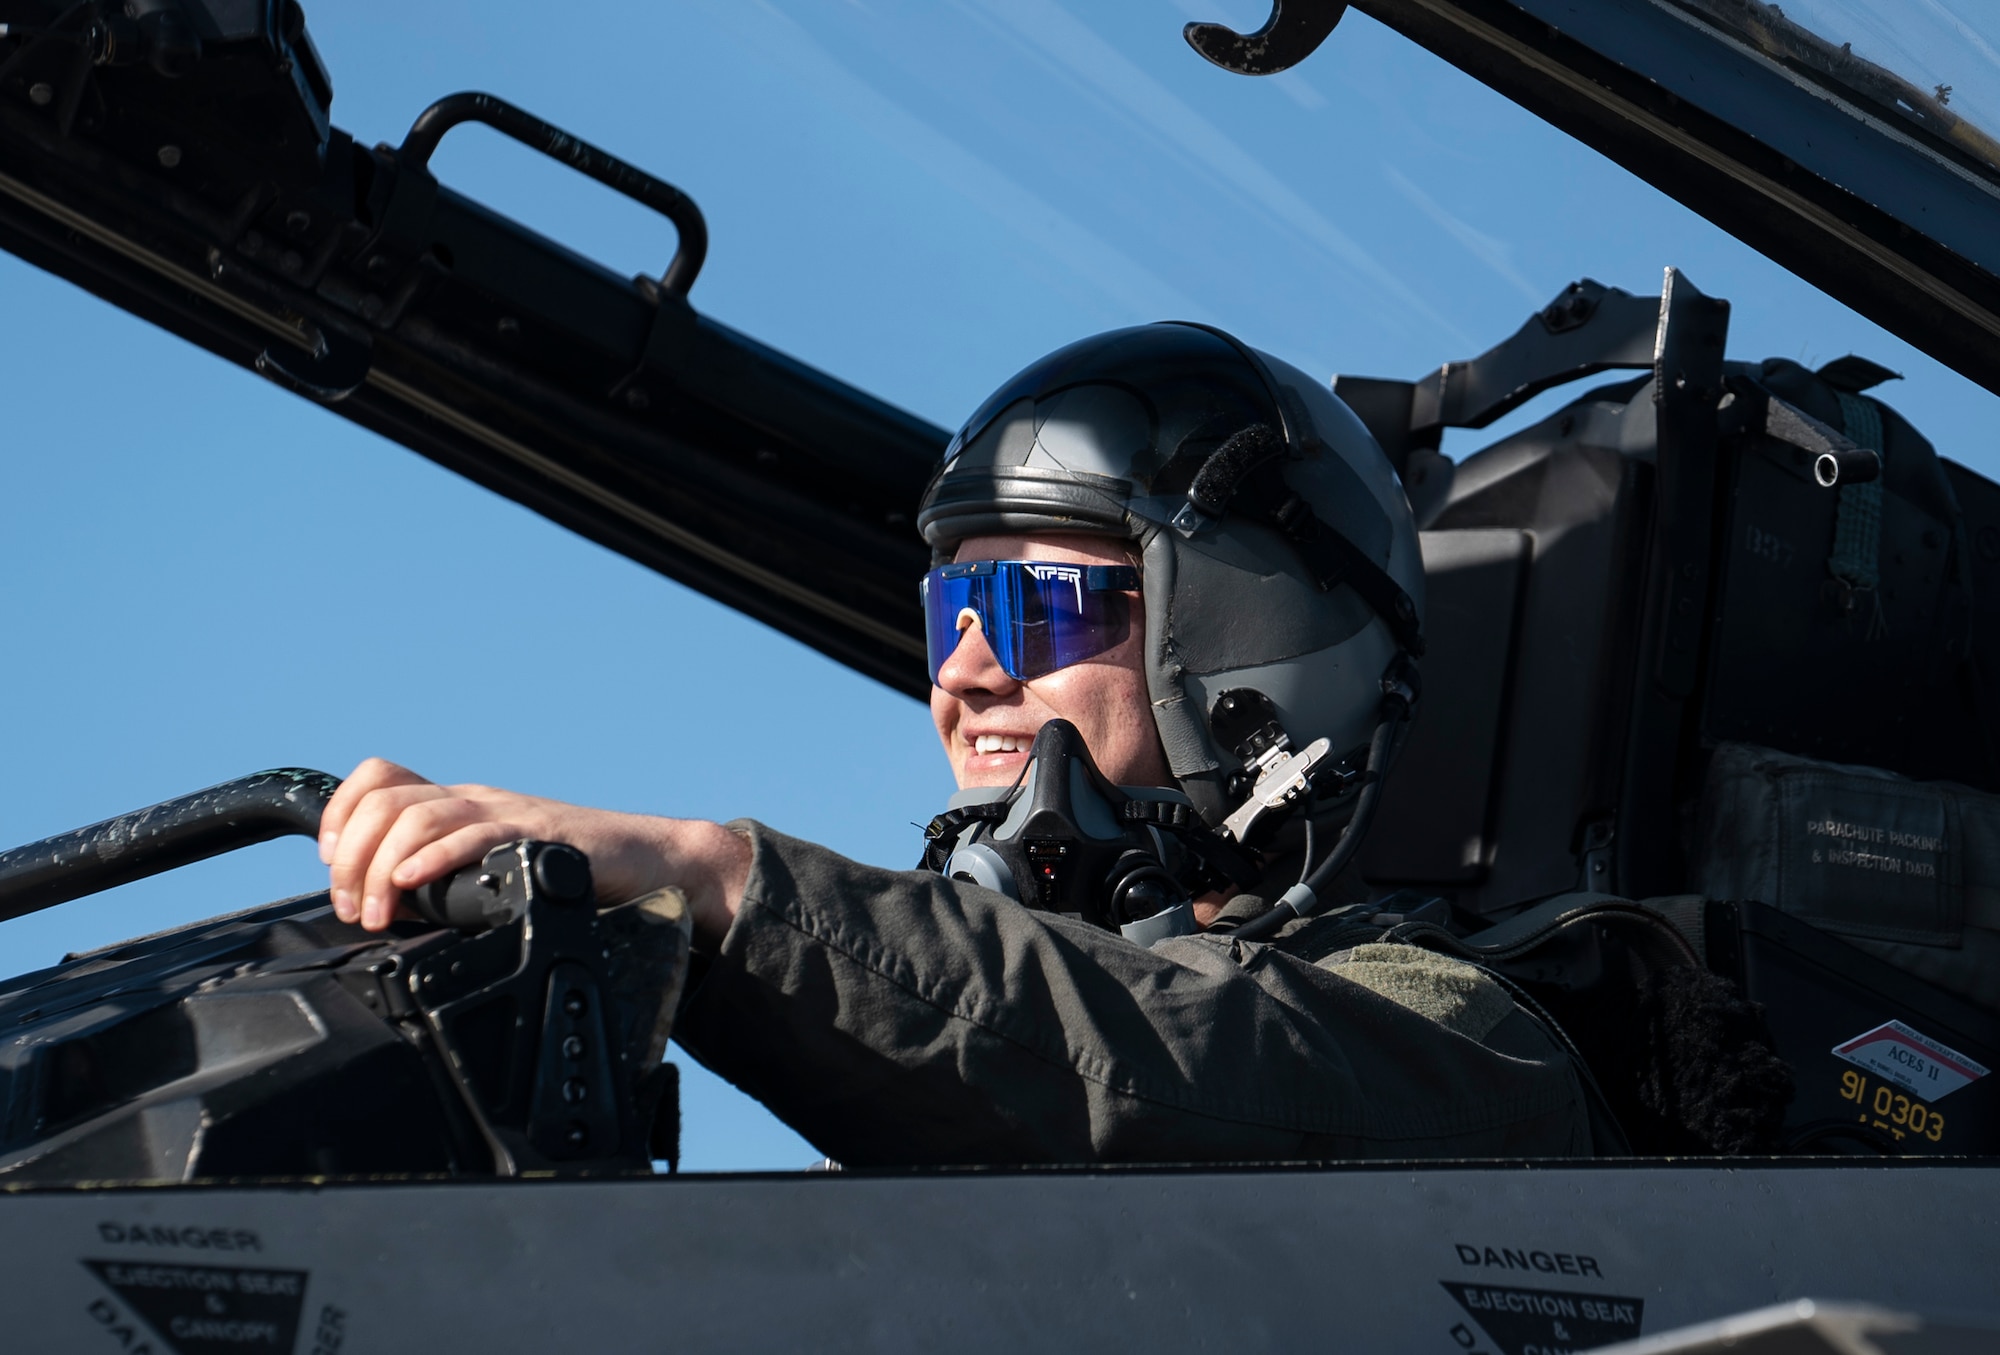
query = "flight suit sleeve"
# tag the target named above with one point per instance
(900, 1018)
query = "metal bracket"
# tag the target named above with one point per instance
(336, 369)
(1687, 393)
(1588, 328)
(523, 1015)
(1282, 780)
(1294, 32)
(1596, 863)
(1688, 371)
(414, 155)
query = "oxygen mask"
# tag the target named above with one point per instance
(1064, 839)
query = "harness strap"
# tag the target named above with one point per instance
(1222, 856)
(1508, 952)
(1607, 1134)
(1857, 532)
(1172, 814)
(941, 834)
(1856, 558)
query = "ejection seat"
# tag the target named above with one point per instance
(1667, 658)
(1650, 573)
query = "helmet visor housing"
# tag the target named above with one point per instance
(1037, 615)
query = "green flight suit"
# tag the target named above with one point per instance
(900, 1018)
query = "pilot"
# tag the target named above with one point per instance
(1240, 547)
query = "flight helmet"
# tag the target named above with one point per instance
(1279, 566)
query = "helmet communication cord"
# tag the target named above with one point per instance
(1302, 899)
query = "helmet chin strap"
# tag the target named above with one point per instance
(1399, 697)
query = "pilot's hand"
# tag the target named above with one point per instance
(388, 829)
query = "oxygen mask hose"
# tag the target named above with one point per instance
(1302, 899)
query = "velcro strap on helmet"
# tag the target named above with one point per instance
(1247, 472)
(1230, 464)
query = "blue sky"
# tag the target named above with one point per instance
(201, 575)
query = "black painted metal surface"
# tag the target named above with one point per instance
(457, 109)
(353, 277)
(1444, 1257)
(524, 1038)
(1676, 605)
(1858, 199)
(1294, 31)
(191, 828)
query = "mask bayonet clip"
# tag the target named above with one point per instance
(1283, 779)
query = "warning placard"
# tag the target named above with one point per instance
(1532, 1321)
(1913, 1061)
(208, 1310)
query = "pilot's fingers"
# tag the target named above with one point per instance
(436, 859)
(361, 837)
(417, 827)
(373, 774)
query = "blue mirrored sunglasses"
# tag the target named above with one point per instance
(1036, 615)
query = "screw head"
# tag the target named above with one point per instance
(41, 94)
(170, 156)
(298, 221)
(574, 1003)
(574, 1090)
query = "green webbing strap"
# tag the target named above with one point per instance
(1856, 560)
(1857, 532)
